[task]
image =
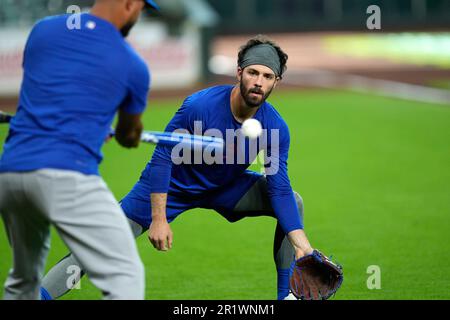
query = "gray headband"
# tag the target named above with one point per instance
(263, 54)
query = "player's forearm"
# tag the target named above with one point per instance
(286, 210)
(281, 196)
(300, 243)
(160, 172)
(159, 233)
(158, 202)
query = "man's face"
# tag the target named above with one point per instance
(133, 9)
(256, 84)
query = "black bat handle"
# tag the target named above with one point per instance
(5, 118)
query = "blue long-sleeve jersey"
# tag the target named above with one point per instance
(208, 111)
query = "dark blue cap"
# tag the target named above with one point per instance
(152, 4)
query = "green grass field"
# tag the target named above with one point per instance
(375, 177)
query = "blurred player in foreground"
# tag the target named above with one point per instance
(166, 189)
(75, 80)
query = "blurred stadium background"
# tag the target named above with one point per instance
(370, 123)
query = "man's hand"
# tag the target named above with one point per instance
(315, 277)
(160, 235)
(312, 275)
(128, 130)
(300, 243)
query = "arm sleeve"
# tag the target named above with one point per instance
(138, 87)
(279, 187)
(160, 167)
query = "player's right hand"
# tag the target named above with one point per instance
(160, 235)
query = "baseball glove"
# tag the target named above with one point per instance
(315, 277)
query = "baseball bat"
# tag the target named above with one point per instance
(5, 117)
(169, 139)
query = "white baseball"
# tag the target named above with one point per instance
(251, 128)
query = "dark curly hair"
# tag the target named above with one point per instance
(261, 39)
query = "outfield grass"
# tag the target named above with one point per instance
(374, 174)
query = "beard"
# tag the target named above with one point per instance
(125, 30)
(254, 101)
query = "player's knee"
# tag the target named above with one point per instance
(129, 286)
(299, 201)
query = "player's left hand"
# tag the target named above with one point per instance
(315, 277)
